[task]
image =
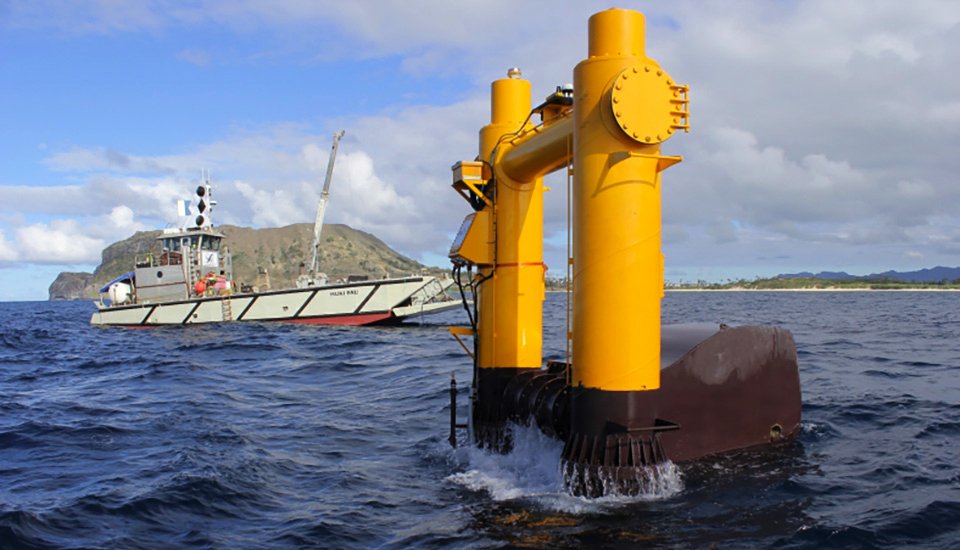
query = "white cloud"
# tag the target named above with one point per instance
(8, 252)
(72, 224)
(68, 241)
(877, 45)
(268, 177)
(818, 127)
(121, 220)
(398, 185)
(272, 208)
(732, 176)
(367, 196)
(60, 242)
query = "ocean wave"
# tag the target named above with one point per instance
(262, 436)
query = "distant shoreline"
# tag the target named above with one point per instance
(740, 289)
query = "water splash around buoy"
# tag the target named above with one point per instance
(532, 472)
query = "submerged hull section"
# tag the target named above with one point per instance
(376, 302)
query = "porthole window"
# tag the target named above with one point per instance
(159, 274)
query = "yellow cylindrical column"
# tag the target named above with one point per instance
(509, 324)
(510, 319)
(616, 33)
(617, 272)
(509, 107)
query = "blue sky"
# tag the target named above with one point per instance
(824, 134)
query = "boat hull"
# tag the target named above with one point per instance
(366, 303)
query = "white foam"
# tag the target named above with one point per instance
(531, 471)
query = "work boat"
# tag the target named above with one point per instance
(190, 281)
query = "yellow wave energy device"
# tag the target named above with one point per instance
(605, 400)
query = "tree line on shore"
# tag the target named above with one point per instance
(793, 283)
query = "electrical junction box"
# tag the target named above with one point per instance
(474, 242)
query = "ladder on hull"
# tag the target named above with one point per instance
(227, 306)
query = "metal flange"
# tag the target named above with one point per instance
(647, 105)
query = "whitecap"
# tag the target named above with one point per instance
(532, 472)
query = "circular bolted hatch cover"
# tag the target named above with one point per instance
(643, 98)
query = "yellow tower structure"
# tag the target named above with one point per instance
(625, 106)
(504, 240)
(714, 389)
(514, 298)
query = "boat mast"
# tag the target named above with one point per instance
(322, 206)
(205, 202)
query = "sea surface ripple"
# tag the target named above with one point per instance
(282, 436)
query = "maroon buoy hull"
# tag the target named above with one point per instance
(739, 388)
(721, 389)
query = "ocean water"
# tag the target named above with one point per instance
(282, 436)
